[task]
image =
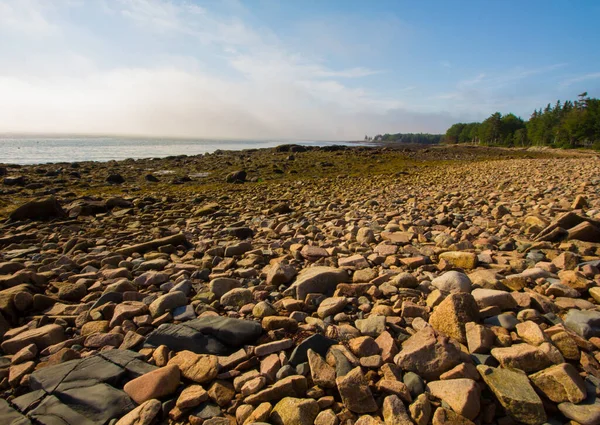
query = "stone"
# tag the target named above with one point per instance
(317, 342)
(221, 392)
(25, 354)
(492, 297)
(42, 337)
(72, 292)
(420, 410)
(260, 414)
(584, 323)
(515, 394)
(394, 412)
(450, 316)
(280, 274)
(221, 285)
(144, 414)
(236, 297)
(206, 335)
(42, 209)
(191, 396)
(322, 374)
(444, 416)
(326, 417)
(290, 386)
(560, 383)
(479, 338)
(294, 411)
(167, 302)
(583, 414)
(331, 306)
(153, 385)
(460, 259)
(531, 333)
(428, 354)
(321, 280)
(526, 357)
(452, 281)
(196, 367)
(355, 392)
(372, 326)
(462, 395)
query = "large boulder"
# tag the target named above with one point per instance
(42, 209)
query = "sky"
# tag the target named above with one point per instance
(286, 69)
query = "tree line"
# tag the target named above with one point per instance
(419, 138)
(570, 124)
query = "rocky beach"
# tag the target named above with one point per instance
(303, 285)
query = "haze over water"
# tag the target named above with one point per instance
(45, 149)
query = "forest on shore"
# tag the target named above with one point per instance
(571, 124)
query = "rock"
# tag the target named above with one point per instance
(321, 280)
(584, 323)
(326, 417)
(156, 384)
(322, 374)
(420, 410)
(522, 356)
(72, 292)
(515, 394)
(221, 392)
(428, 354)
(560, 383)
(372, 326)
(448, 417)
(479, 338)
(115, 179)
(42, 337)
(394, 412)
(237, 297)
(280, 274)
(531, 333)
(365, 236)
(331, 306)
(317, 342)
(206, 335)
(144, 414)
(43, 209)
(355, 392)
(452, 281)
(295, 411)
(236, 177)
(196, 367)
(191, 396)
(167, 302)
(220, 286)
(290, 386)
(584, 414)
(492, 297)
(462, 395)
(460, 259)
(450, 316)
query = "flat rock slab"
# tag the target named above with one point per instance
(83, 391)
(206, 335)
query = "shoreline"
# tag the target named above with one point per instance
(404, 271)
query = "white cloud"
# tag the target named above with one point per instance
(581, 78)
(231, 80)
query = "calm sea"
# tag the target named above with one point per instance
(45, 149)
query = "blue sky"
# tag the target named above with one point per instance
(283, 69)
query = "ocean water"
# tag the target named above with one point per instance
(46, 149)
